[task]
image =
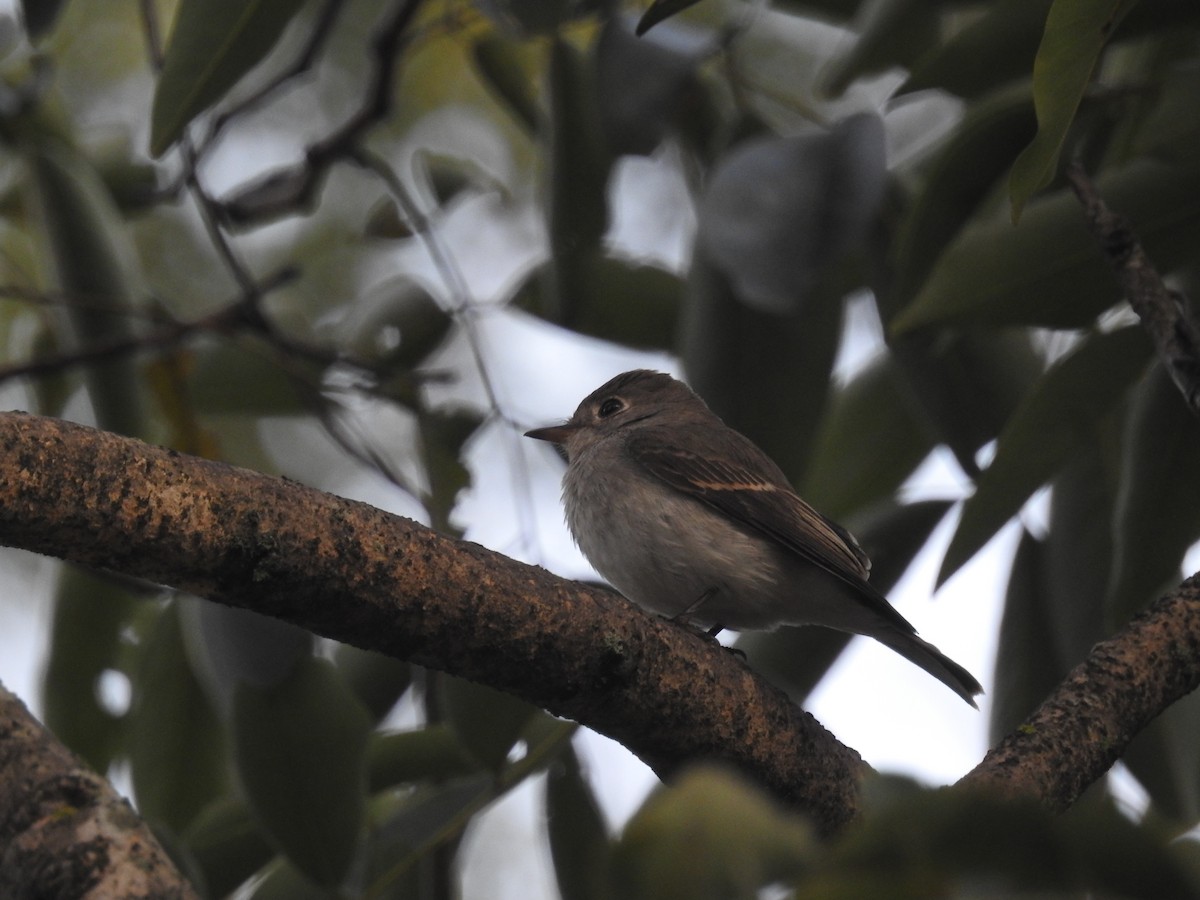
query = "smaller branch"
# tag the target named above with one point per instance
(64, 832)
(321, 31)
(227, 320)
(293, 188)
(1085, 726)
(1165, 313)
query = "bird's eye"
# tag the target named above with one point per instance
(611, 407)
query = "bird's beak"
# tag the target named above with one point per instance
(555, 434)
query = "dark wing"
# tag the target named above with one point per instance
(745, 484)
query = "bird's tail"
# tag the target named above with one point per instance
(932, 660)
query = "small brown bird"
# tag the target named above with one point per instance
(690, 519)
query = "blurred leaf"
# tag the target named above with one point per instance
(412, 824)
(384, 221)
(1026, 668)
(850, 470)
(377, 680)
(229, 377)
(443, 435)
(90, 613)
(176, 744)
(433, 753)
(955, 183)
(890, 33)
(501, 65)
(1171, 129)
(925, 843)
(1076, 32)
(1165, 758)
(1047, 271)
(96, 267)
(778, 212)
(796, 659)
(723, 345)
(1157, 518)
(300, 749)
(213, 44)
(660, 10)
(965, 385)
(1057, 420)
(487, 721)
(633, 304)
(709, 835)
(578, 838)
(226, 845)
(397, 324)
(641, 88)
(228, 646)
(283, 881)
(995, 48)
(579, 165)
(39, 16)
(1078, 545)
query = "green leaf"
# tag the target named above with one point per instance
(226, 845)
(724, 344)
(1076, 32)
(231, 377)
(1157, 516)
(40, 15)
(433, 753)
(578, 837)
(994, 48)
(956, 183)
(411, 824)
(579, 162)
(283, 881)
(1079, 544)
(1056, 421)
(966, 384)
(660, 10)
(94, 262)
(443, 435)
(501, 65)
(398, 324)
(890, 33)
(628, 303)
(176, 743)
(848, 470)
(1026, 668)
(213, 44)
(487, 721)
(1047, 271)
(710, 835)
(1165, 758)
(90, 613)
(377, 680)
(300, 749)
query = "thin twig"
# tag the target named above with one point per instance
(1165, 313)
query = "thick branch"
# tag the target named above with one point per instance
(352, 572)
(1087, 723)
(64, 832)
(1165, 313)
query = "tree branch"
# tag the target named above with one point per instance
(348, 571)
(1165, 313)
(64, 832)
(1085, 726)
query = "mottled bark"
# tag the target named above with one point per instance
(64, 832)
(348, 571)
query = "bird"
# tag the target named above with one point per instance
(690, 519)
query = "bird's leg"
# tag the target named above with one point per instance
(695, 605)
